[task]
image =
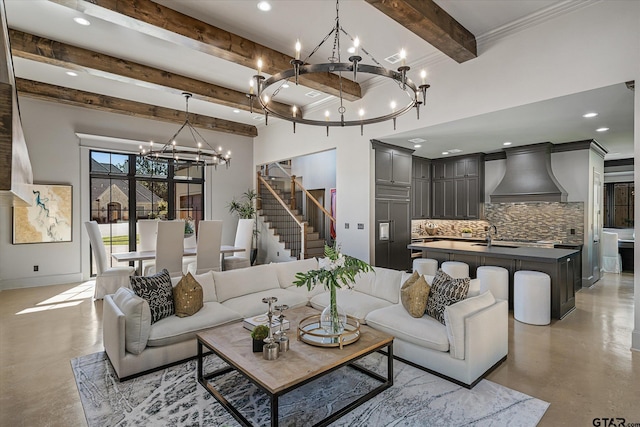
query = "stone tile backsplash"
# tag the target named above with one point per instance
(519, 221)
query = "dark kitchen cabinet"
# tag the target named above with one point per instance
(458, 188)
(442, 207)
(421, 188)
(393, 166)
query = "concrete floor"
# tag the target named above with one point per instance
(582, 365)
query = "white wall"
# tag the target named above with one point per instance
(56, 156)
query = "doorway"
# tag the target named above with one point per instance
(315, 216)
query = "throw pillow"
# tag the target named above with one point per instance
(414, 296)
(157, 291)
(137, 319)
(187, 296)
(445, 291)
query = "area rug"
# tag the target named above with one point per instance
(173, 397)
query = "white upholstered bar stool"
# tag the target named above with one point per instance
(456, 269)
(425, 266)
(494, 279)
(532, 297)
(611, 259)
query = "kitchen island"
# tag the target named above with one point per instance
(562, 265)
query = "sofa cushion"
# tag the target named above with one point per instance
(425, 331)
(414, 294)
(445, 291)
(187, 296)
(286, 271)
(252, 305)
(206, 281)
(174, 329)
(302, 290)
(354, 303)
(381, 283)
(235, 283)
(454, 316)
(474, 288)
(137, 319)
(158, 292)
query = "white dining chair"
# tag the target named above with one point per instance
(244, 237)
(170, 247)
(148, 231)
(208, 247)
(611, 259)
(108, 279)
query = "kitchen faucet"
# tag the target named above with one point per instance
(495, 231)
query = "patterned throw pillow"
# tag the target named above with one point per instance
(414, 295)
(187, 296)
(158, 292)
(445, 291)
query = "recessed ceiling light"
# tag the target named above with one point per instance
(81, 21)
(417, 146)
(264, 6)
(258, 117)
(236, 111)
(602, 129)
(285, 85)
(444, 153)
(454, 151)
(417, 140)
(506, 143)
(72, 73)
(589, 115)
(352, 49)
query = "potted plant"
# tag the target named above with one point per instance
(245, 209)
(466, 232)
(258, 335)
(188, 227)
(431, 228)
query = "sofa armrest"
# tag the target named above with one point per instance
(487, 337)
(113, 331)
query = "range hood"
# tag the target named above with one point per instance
(529, 177)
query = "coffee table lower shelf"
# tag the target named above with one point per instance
(274, 396)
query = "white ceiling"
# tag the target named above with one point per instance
(310, 21)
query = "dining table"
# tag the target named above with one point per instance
(147, 255)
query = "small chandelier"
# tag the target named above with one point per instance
(260, 84)
(201, 154)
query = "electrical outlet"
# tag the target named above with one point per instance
(35, 268)
(278, 253)
(360, 226)
(572, 231)
(346, 225)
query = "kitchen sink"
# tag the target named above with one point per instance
(496, 245)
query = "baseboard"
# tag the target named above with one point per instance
(34, 282)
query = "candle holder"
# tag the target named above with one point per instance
(281, 335)
(270, 350)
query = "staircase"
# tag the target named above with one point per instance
(285, 226)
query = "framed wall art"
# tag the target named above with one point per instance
(48, 219)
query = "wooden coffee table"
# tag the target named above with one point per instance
(300, 365)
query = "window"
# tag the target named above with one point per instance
(126, 187)
(619, 205)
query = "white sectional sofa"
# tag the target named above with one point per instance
(474, 341)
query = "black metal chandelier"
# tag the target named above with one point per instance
(417, 95)
(200, 154)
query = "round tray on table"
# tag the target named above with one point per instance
(310, 332)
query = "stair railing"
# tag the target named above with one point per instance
(295, 183)
(294, 231)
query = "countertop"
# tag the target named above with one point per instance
(535, 254)
(531, 244)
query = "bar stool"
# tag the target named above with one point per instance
(456, 269)
(425, 266)
(494, 279)
(532, 297)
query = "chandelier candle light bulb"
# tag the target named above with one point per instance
(298, 48)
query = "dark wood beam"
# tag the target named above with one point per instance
(51, 52)
(79, 98)
(429, 21)
(161, 22)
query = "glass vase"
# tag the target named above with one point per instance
(333, 318)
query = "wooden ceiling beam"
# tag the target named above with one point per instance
(79, 98)
(164, 23)
(51, 52)
(429, 21)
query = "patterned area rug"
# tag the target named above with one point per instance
(173, 397)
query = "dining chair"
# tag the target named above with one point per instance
(208, 247)
(170, 247)
(611, 259)
(108, 279)
(244, 238)
(148, 231)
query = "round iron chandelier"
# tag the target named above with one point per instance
(260, 84)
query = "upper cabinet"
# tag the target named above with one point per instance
(421, 188)
(458, 187)
(393, 166)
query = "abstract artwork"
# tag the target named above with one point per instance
(48, 219)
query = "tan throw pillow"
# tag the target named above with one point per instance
(414, 296)
(187, 296)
